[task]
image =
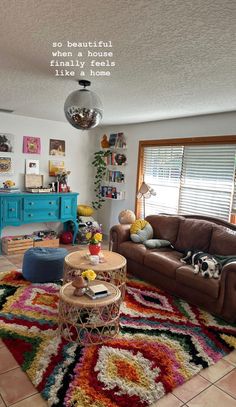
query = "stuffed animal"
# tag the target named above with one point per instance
(140, 231)
(8, 184)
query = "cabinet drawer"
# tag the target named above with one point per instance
(42, 215)
(12, 211)
(68, 207)
(41, 203)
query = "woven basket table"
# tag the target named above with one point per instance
(87, 321)
(113, 269)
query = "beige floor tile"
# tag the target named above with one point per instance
(231, 357)
(7, 360)
(33, 401)
(191, 388)
(217, 371)
(15, 386)
(168, 401)
(228, 383)
(212, 397)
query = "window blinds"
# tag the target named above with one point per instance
(191, 179)
(207, 180)
(162, 170)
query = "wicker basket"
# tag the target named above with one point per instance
(16, 244)
(46, 243)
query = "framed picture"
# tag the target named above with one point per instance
(56, 166)
(6, 165)
(56, 147)
(32, 166)
(31, 145)
(112, 140)
(6, 143)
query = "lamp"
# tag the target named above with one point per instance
(145, 191)
(83, 108)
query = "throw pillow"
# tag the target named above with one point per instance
(156, 243)
(140, 231)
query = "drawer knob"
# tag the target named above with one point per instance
(12, 210)
(50, 203)
(30, 215)
(31, 203)
(67, 207)
(50, 213)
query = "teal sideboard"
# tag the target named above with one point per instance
(22, 208)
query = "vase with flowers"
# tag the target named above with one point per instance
(94, 239)
(88, 275)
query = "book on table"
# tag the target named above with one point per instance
(97, 291)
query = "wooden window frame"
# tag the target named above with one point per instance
(203, 140)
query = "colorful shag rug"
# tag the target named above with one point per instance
(163, 342)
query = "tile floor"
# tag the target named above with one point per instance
(214, 386)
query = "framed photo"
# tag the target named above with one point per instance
(32, 166)
(6, 165)
(112, 140)
(56, 166)
(6, 143)
(31, 145)
(56, 147)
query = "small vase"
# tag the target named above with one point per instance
(94, 249)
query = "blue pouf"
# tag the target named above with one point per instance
(43, 264)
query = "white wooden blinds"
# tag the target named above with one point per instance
(191, 179)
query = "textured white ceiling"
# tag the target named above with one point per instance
(173, 58)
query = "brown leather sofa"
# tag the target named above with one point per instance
(163, 267)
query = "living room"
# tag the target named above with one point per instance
(163, 72)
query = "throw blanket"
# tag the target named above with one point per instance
(223, 260)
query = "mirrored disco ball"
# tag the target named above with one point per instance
(83, 109)
(82, 118)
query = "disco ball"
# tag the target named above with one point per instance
(83, 108)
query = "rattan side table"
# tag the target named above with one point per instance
(113, 269)
(87, 321)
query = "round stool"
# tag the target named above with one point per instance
(43, 264)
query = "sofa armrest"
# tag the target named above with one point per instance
(118, 234)
(228, 292)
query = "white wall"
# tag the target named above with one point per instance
(209, 125)
(79, 147)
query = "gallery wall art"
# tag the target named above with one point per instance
(6, 165)
(32, 166)
(56, 166)
(31, 145)
(6, 143)
(56, 147)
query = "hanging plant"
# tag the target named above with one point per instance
(101, 167)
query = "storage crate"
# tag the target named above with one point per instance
(46, 243)
(16, 244)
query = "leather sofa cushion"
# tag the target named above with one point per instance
(223, 241)
(134, 251)
(164, 262)
(194, 234)
(165, 227)
(186, 276)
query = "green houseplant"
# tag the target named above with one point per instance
(100, 166)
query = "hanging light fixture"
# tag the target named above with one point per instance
(83, 108)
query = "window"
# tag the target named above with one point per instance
(190, 177)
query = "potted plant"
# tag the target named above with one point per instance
(100, 165)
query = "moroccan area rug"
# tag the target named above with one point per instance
(162, 343)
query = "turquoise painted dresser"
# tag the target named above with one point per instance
(21, 208)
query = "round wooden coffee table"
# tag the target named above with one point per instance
(112, 269)
(87, 321)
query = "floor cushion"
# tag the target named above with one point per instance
(43, 264)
